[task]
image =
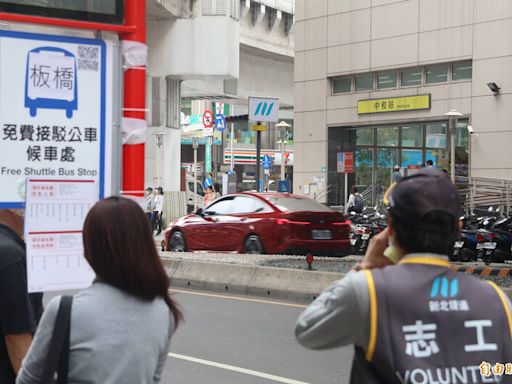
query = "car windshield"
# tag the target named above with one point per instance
(298, 204)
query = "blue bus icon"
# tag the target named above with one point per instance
(51, 80)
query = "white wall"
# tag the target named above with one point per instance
(202, 47)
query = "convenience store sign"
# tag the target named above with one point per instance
(393, 104)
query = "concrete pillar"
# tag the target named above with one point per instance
(171, 149)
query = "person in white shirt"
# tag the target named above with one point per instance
(150, 204)
(355, 201)
(157, 211)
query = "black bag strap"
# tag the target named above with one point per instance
(58, 352)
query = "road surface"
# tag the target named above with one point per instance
(233, 340)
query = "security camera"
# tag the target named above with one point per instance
(494, 88)
(471, 130)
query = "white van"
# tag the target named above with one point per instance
(190, 193)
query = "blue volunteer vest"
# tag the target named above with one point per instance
(431, 325)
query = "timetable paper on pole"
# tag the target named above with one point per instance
(55, 212)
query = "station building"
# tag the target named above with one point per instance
(376, 78)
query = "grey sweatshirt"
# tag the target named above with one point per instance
(115, 338)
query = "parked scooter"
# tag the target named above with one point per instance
(364, 227)
(474, 241)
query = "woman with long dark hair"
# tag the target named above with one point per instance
(120, 326)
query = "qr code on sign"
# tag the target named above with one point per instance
(88, 58)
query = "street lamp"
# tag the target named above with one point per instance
(283, 126)
(452, 115)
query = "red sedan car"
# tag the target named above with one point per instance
(272, 223)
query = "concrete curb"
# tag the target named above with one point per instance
(279, 283)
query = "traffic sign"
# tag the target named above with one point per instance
(220, 122)
(349, 162)
(345, 162)
(208, 119)
(266, 162)
(283, 186)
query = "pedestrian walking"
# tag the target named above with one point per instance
(355, 201)
(120, 326)
(209, 196)
(149, 204)
(396, 174)
(19, 310)
(158, 210)
(418, 320)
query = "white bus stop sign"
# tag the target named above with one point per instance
(55, 116)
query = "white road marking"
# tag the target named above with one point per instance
(233, 368)
(239, 298)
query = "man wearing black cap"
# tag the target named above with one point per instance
(417, 321)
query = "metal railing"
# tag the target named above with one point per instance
(481, 192)
(372, 195)
(322, 193)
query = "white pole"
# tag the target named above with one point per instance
(158, 166)
(195, 174)
(282, 158)
(231, 147)
(346, 191)
(453, 123)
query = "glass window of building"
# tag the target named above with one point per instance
(364, 167)
(437, 73)
(462, 135)
(436, 135)
(412, 135)
(439, 158)
(342, 85)
(387, 158)
(364, 136)
(410, 76)
(462, 71)
(411, 157)
(364, 82)
(386, 80)
(387, 136)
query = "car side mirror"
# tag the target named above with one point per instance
(200, 212)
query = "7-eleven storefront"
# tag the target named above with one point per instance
(244, 164)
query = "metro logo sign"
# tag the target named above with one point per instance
(263, 109)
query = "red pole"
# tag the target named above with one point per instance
(134, 99)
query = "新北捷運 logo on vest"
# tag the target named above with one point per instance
(443, 296)
(264, 109)
(444, 288)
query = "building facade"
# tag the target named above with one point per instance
(213, 55)
(376, 78)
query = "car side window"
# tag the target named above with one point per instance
(222, 207)
(246, 204)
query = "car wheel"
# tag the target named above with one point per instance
(177, 242)
(253, 245)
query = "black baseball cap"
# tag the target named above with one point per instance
(413, 197)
